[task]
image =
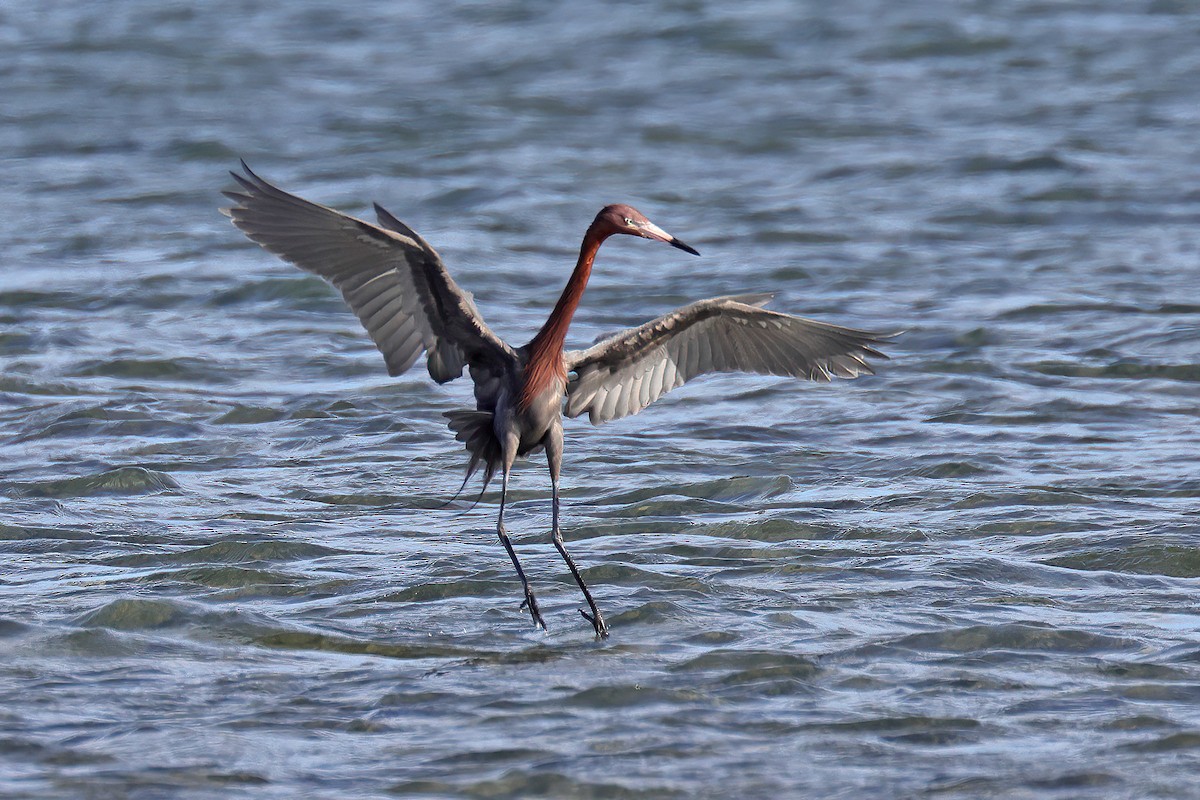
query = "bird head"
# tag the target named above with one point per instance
(625, 219)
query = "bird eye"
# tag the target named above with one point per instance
(628, 221)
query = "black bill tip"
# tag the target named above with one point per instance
(684, 247)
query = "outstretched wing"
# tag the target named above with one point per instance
(628, 371)
(393, 280)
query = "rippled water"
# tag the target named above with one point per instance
(973, 575)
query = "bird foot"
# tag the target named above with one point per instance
(530, 602)
(597, 623)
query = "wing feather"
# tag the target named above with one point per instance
(391, 278)
(671, 379)
(629, 370)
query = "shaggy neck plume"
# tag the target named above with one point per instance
(545, 351)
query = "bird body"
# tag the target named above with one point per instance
(397, 285)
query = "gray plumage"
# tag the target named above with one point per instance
(402, 293)
(626, 372)
(390, 277)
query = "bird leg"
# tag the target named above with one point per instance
(530, 601)
(596, 618)
(554, 457)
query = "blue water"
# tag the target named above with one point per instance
(975, 574)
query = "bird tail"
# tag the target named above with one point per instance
(476, 430)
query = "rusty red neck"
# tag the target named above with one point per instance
(545, 351)
(555, 329)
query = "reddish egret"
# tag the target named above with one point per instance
(400, 290)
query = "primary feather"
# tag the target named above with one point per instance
(393, 280)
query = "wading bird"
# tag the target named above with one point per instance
(398, 287)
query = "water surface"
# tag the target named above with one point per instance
(972, 575)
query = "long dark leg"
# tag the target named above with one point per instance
(554, 457)
(530, 600)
